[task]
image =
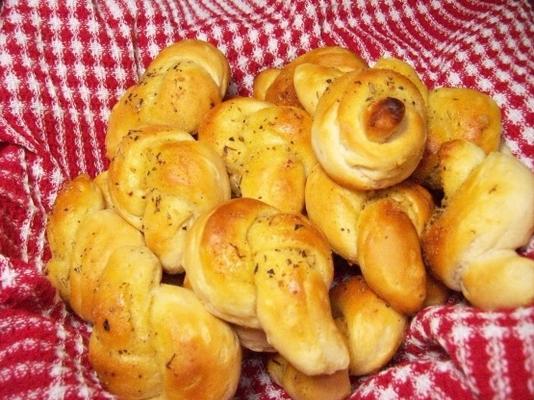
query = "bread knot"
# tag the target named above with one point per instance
(257, 267)
(488, 212)
(369, 129)
(160, 180)
(178, 88)
(260, 143)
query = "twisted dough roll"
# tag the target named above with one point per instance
(489, 212)
(158, 340)
(82, 236)
(148, 339)
(334, 59)
(179, 86)
(373, 330)
(379, 231)
(266, 149)
(458, 113)
(257, 267)
(300, 386)
(369, 129)
(160, 180)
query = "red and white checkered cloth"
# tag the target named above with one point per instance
(64, 63)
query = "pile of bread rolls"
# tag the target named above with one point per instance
(249, 199)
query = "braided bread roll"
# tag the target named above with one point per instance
(369, 129)
(255, 266)
(180, 85)
(82, 237)
(160, 180)
(489, 212)
(299, 386)
(282, 90)
(260, 143)
(379, 230)
(373, 330)
(458, 113)
(154, 340)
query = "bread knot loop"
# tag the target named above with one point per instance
(384, 117)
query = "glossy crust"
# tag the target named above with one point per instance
(299, 386)
(158, 340)
(266, 149)
(255, 266)
(458, 113)
(282, 90)
(369, 129)
(180, 85)
(160, 181)
(373, 330)
(389, 255)
(471, 244)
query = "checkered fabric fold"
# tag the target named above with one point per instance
(63, 64)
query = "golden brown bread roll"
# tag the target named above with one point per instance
(75, 200)
(158, 340)
(282, 90)
(458, 113)
(299, 386)
(369, 129)
(266, 148)
(160, 180)
(255, 266)
(179, 86)
(470, 245)
(379, 230)
(82, 236)
(373, 329)
(263, 81)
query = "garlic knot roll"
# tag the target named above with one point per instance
(160, 180)
(369, 129)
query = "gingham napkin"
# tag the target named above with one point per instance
(63, 64)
